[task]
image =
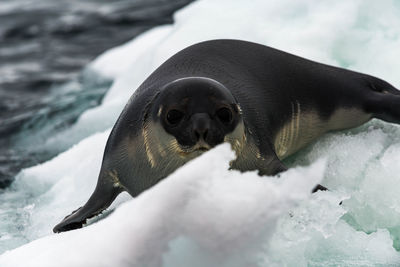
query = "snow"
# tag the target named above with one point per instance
(204, 215)
(203, 203)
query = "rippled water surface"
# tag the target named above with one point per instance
(44, 45)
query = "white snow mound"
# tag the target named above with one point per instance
(223, 213)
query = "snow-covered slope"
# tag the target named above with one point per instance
(223, 218)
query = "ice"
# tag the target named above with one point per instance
(226, 218)
(315, 234)
(222, 213)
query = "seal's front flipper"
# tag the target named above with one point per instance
(276, 166)
(68, 224)
(102, 197)
(272, 167)
(319, 188)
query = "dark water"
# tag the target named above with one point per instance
(44, 46)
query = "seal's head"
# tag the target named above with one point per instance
(195, 114)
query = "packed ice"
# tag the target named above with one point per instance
(203, 214)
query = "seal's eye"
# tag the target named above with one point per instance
(174, 116)
(224, 115)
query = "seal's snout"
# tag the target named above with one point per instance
(201, 126)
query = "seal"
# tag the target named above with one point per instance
(266, 103)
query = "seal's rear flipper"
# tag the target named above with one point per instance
(385, 107)
(101, 199)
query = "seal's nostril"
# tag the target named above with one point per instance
(201, 134)
(205, 134)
